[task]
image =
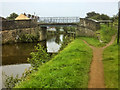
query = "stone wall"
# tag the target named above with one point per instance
(9, 36)
(89, 23)
(87, 27)
(85, 32)
(17, 24)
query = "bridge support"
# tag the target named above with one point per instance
(43, 33)
(87, 27)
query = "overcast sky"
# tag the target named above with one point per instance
(49, 8)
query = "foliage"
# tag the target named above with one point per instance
(71, 29)
(65, 29)
(11, 81)
(68, 69)
(93, 41)
(28, 38)
(114, 18)
(66, 40)
(57, 28)
(97, 16)
(110, 62)
(12, 16)
(91, 14)
(39, 57)
(106, 33)
(58, 40)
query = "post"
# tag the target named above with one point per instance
(118, 26)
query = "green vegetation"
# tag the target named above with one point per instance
(68, 69)
(12, 16)
(106, 33)
(110, 55)
(57, 30)
(39, 57)
(66, 40)
(93, 41)
(110, 61)
(97, 16)
(28, 38)
(11, 81)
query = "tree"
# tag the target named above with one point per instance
(65, 29)
(115, 17)
(104, 17)
(12, 16)
(91, 14)
(97, 16)
(29, 15)
(57, 29)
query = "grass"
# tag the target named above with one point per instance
(110, 55)
(68, 69)
(106, 33)
(93, 41)
(110, 61)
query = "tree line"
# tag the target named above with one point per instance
(98, 16)
(92, 15)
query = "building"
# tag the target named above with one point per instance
(22, 17)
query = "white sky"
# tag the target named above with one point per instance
(58, 7)
(59, 0)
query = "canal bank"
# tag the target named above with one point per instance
(68, 69)
(14, 56)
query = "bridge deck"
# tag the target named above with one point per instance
(57, 24)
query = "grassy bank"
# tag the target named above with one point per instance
(69, 69)
(93, 41)
(110, 55)
(110, 61)
(106, 34)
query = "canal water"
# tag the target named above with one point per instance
(14, 56)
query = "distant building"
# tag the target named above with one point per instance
(22, 17)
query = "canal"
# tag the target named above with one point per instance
(14, 56)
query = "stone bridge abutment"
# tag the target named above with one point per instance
(87, 27)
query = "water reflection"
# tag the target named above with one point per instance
(14, 56)
(13, 70)
(18, 53)
(53, 45)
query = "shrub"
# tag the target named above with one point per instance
(39, 57)
(28, 38)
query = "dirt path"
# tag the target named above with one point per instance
(96, 69)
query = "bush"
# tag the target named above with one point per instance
(39, 57)
(28, 38)
(106, 33)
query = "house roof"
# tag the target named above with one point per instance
(22, 17)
